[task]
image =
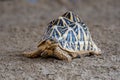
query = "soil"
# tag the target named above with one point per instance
(23, 22)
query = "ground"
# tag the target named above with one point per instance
(23, 22)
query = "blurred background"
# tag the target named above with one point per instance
(23, 22)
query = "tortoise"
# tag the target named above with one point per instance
(66, 38)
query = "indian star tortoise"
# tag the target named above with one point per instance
(65, 38)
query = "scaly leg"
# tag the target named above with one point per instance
(32, 54)
(95, 53)
(60, 54)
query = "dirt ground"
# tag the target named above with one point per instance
(22, 24)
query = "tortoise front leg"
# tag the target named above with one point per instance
(60, 54)
(95, 53)
(32, 54)
(36, 53)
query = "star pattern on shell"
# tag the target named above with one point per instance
(71, 33)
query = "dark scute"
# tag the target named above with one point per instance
(49, 26)
(84, 26)
(49, 30)
(55, 34)
(68, 16)
(73, 46)
(91, 47)
(84, 46)
(62, 42)
(88, 47)
(78, 19)
(73, 37)
(81, 23)
(60, 23)
(55, 22)
(78, 47)
(76, 29)
(51, 23)
(68, 21)
(62, 30)
(68, 46)
(81, 35)
(64, 15)
(72, 25)
(68, 37)
(74, 18)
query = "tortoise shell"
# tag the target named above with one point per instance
(70, 33)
